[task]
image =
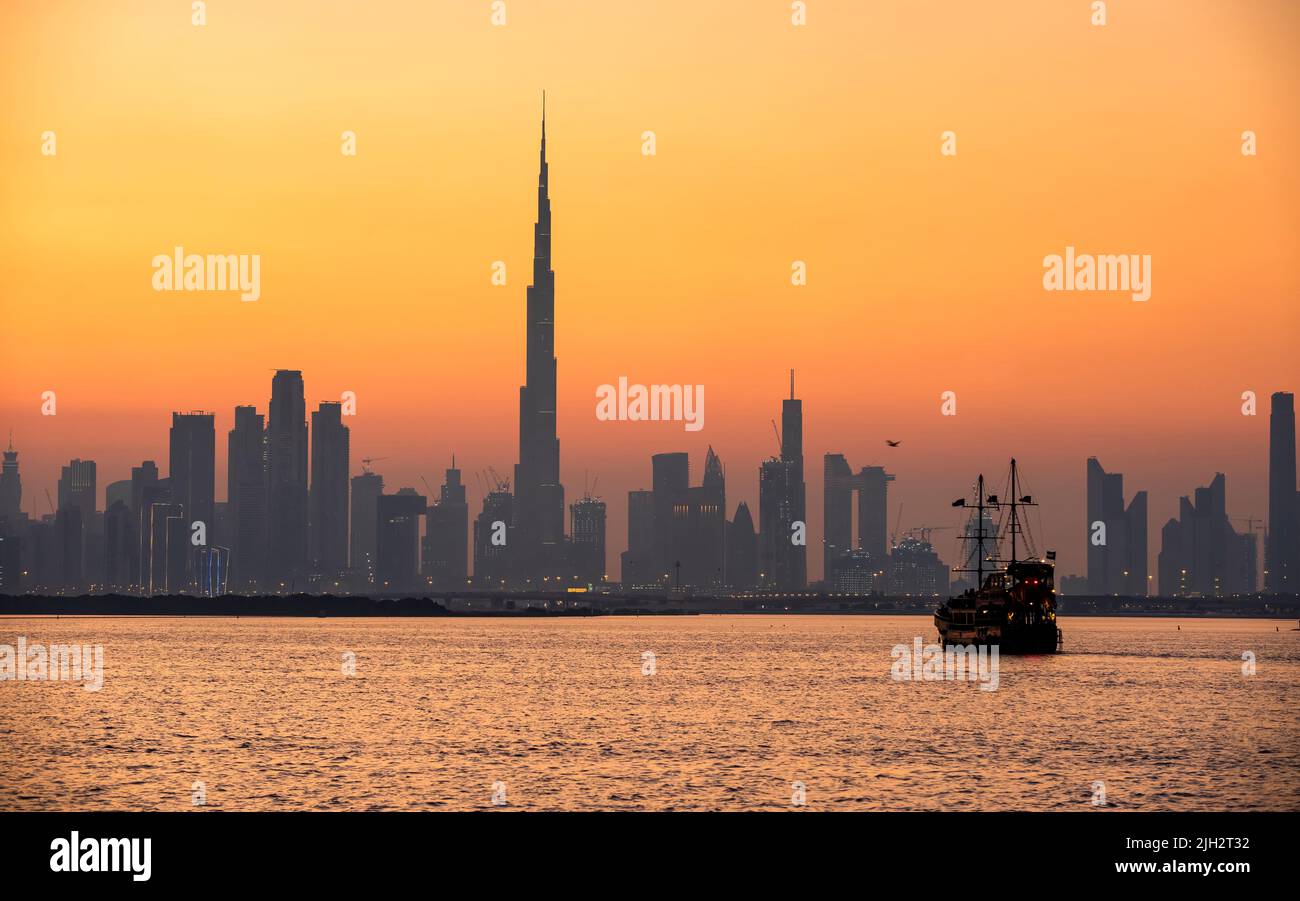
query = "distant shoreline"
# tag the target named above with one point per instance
(526, 607)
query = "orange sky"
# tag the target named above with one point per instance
(775, 143)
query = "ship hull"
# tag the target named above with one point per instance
(1010, 638)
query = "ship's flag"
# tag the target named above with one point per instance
(960, 502)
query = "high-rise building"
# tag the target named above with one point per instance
(1282, 555)
(638, 563)
(76, 492)
(783, 560)
(142, 476)
(742, 550)
(492, 540)
(77, 486)
(366, 489)
(587, 549)
(192, 465)
(329, 489)
(151, 494)
(868, 557)
(699, 529)
(287, 482)
(539, 496)
(192, 471)
(1117, 548)
(247, 496)
(446, 534)
(915, 568)
(397, 541)
(670, 479)
(121, 548)
(1201, 554)
(11, 487)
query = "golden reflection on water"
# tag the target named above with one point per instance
(560, 715)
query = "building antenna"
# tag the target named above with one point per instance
(791, 384)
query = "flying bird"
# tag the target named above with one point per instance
(893, 443)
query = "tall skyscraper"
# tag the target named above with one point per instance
(76, 492)
(397, 541)
(783, 564)
(446, 538)
(870, 553)
(121, 548)
(492, 554)
(77, 486)
(1200, 553)
(742, 550)
(287, 477)
(539, 496)
(698, 540)
(246, 493)
(329, 489)
(366, 489)
(1117, 555)
(670, 479)
(638, 563)
(192, 468)
(588, 547)
(11, 486)
(144, 493)
(1282, 555)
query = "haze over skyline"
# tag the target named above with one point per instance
(774, 144)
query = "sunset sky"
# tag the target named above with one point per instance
(775, 143)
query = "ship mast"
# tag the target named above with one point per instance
(979, 550)
(1015, 523)
(981, 504)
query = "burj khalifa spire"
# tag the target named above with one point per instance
(539, 497)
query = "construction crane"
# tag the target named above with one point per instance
(50, 502)
(898, 521)
(428, 486)
(777, 433)
(366, 461)
(925, 531)
(501, 484)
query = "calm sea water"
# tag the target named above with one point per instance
(558, 715)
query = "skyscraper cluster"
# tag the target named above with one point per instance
(295, 520)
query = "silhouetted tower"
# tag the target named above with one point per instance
(670, 479)
(366, 489)
(192, 469)
(287, 475)
(76, 493)
(638, 563)
(1119, 566)
(539, 496)
(329, 489)
(742, 550)
(587, 528)
(492, 556)
(781, 504)
(446, 540)
(1282, 556)
(11, 486)
(246, 493)
(397, 541)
